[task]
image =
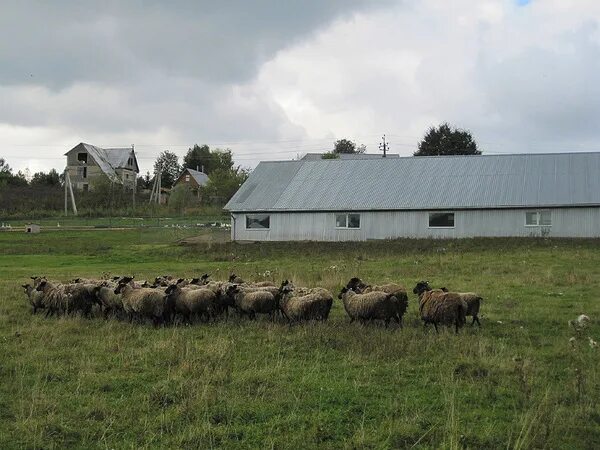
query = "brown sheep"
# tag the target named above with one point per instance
(439, 307)
(473, 301)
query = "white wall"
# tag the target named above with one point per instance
(566, 222)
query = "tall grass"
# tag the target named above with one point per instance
(517, 382)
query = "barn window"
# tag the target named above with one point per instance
(82, 157)
(441, 220)
(347, 220)
(258, 221)
(535, 218)
(187, 178)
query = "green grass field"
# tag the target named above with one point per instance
(515, 383)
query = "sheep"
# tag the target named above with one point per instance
(203, 280)
(83, 296)
(399, 292)
(371, 306)
(252, 302)
(36, 298)
(144, 302)
(473, 301)
(55, 297)
(324, 296)
(439, 307)
(224, 301)
(189, 302)
(233, 278)
(163, 280)
(262, 284)
(313, 306)
(109, 301)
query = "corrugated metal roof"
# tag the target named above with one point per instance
(319, 156)
(438, 182)
(200, 177)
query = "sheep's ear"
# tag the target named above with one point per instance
(24, 286)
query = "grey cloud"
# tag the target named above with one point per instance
(58, 43)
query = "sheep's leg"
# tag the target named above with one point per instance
(387, 322)
(435, 326)
(476, 319)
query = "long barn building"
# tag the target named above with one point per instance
(555, 194)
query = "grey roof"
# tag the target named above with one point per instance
(110, 159)
(437, 182)
(200, 177)
(319, 156)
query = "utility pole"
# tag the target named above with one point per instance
(68, 181)
(66, 193)
(384, 146)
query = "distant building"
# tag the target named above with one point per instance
(32, 228)
(87, 162)
(551, 194)
(192, 178)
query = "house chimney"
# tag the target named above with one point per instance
(197, 168)
(203, 168)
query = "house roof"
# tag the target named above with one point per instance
(200, 177)
(435, 182)
(110, 159)
(319, 156)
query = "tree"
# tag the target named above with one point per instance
(330, 155)
(51, 178)
(181, 197)
(445, 140)
(204, 159)
(344, 146)
(168, 162)
(8, 178)
(222, 184)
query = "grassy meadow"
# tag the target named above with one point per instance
(518, 382)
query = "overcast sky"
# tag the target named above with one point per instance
(272, 79)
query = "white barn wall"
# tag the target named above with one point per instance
(320, 226)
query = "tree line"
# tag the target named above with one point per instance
(442, 140)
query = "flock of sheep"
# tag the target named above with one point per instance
(168, 299)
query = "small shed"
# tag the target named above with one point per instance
(32, 228)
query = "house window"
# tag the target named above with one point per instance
(258, 221)
(538, 218)
(82, 172)
(127, 176)
(130, 162)
(441, 220)
(347, 220)
(82, 157)
(187, 178)
(86, 188)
